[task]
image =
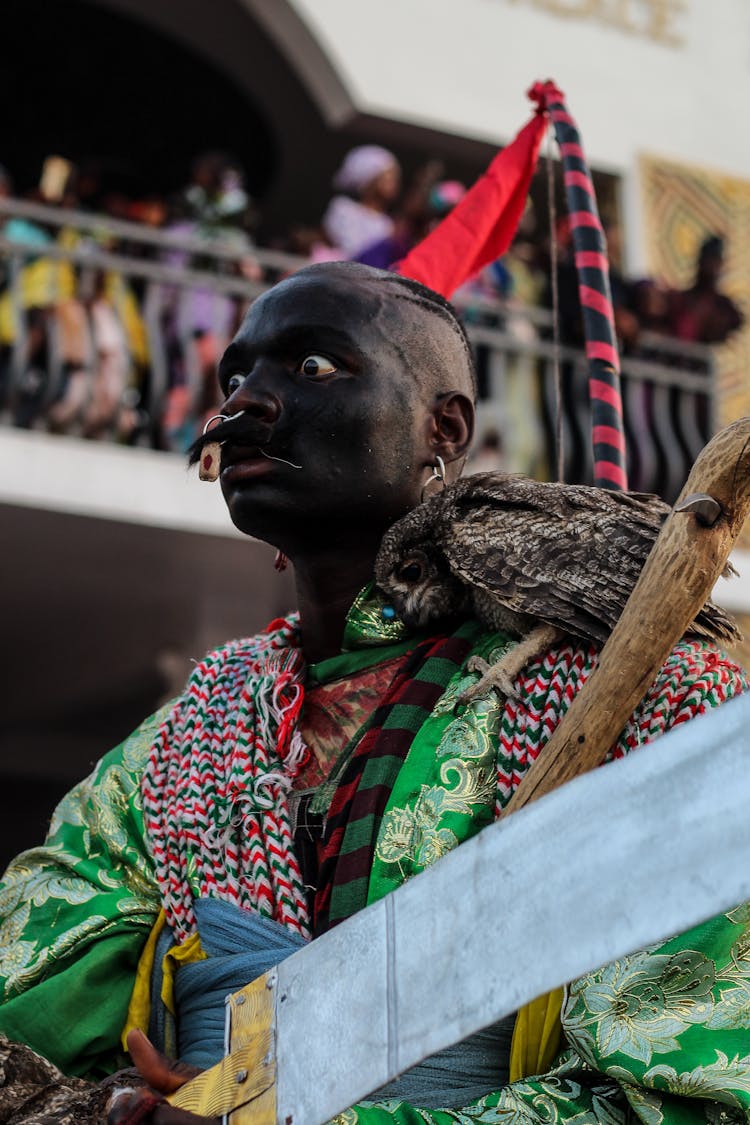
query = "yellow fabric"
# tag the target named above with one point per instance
(123, 300)
(45, 282)
(537, 1036)
(139, 1008)
(184, 954)
(42, 284)
(7, 320)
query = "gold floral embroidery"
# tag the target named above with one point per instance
(418, 834)
(732, 1009)
(638, 1005)
(348, 1117)
(548, 1100)
(740, 915)
(717, 1114)
(713, 1080)
(646, 1103)
(412, 833)
(372, 621)
(70, 811)
(15, 953)
(93, 856)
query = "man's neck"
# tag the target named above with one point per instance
(326, 587)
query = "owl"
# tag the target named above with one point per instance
(533, 560)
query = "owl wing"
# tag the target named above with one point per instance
(567, 555)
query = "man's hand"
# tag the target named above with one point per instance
(164, 1076)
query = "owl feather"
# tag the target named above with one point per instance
(521, 554)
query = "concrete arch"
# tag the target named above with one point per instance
(237, 35)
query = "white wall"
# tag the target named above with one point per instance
(463, 66)
(664, 77)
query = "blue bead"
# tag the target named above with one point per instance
(388, 612)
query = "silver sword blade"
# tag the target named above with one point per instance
(615, 861)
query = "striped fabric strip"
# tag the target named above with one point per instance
(608, 435)
(596, 300)
(359, 802)
(598, 349)
(579, 179)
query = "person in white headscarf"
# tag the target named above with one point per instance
(368, 183)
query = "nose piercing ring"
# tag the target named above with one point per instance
(221, 418)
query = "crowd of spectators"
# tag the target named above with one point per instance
(77, 335)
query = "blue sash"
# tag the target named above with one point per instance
(242, 946)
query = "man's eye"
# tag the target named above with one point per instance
(234, 382)
(316, 365)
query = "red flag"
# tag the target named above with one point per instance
(481, 227)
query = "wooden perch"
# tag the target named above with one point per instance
(689, 555)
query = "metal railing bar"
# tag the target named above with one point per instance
(136, 267)
(97, 223)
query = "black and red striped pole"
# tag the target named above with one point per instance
(481, 228)
(608, 432)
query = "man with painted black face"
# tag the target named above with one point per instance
(356, 381)
(308, 771)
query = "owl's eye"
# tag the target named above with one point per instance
(316, 365)
(412, 572)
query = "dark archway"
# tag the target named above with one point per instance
(99, 87)
(146, 84)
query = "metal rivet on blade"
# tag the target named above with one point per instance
(240, 1000)
(240, 1076)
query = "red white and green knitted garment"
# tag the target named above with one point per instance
(214, 791)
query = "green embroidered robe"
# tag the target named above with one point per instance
(663, 1035)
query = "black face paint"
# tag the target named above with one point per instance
(327, 370)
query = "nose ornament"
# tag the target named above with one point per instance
(211, 452)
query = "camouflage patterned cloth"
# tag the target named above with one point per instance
(34, 1092)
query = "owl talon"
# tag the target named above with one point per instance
(494, 677)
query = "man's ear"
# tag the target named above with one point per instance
(451, 426)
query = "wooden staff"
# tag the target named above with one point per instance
(688, 556)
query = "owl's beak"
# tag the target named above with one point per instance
(410, 620)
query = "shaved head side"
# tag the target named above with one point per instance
(436, 305)
(433, 344)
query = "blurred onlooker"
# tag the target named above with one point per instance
(215, 208)
(517, 281)
(425, 204)
(525, 275)
(368, 183)
(52, 354)
(627, 325)
(702, 313)
(568, 297)
(650, 301)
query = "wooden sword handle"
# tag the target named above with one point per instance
(688, 556)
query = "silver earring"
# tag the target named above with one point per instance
(438, 474)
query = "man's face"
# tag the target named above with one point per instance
(318, 370)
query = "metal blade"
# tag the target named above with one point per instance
(617, 860)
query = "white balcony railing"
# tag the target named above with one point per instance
(63, 265)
